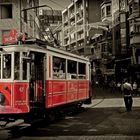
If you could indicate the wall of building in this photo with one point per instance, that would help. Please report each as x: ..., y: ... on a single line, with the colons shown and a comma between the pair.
x: 94, y: 11
x: 17, y: 21
x: 7, y: 24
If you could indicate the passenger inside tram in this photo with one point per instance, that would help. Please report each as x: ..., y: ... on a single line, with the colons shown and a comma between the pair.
x: 6, y: 73
x: 59, y: 68
x: 7, y: 66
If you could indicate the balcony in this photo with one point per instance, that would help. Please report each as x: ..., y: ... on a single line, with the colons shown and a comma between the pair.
x: 135, y: 40
x: 106, y: 11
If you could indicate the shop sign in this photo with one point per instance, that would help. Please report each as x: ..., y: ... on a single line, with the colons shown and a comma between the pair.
x: 11, y: 38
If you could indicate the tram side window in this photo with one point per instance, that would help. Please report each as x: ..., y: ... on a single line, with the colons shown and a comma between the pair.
x: 24, y: 69
x: 24, y: 65
x: 7, y: 66
x: 81, y: 70
x: 72, y: 69
x: 59, y: 68
x: 17, y: 66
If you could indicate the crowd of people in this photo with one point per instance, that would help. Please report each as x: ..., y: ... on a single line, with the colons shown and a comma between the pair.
x: 116, y: 86
x: 126, y: 88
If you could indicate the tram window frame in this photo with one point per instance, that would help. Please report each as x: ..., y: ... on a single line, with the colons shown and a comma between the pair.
x: 17, y: 66
x: 59, y: 67
x: 81, y: 70
x: 71, y: 69
x: 24, y: 67
x: 6, y: 70
x: 21, y: 70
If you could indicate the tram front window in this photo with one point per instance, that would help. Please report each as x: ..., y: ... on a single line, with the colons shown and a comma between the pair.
x: 6, y: 66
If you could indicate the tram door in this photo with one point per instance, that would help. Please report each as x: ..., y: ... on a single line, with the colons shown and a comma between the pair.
x: 37, y: 79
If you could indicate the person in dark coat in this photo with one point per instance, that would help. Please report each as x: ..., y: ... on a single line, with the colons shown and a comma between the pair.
x: 127, y: 94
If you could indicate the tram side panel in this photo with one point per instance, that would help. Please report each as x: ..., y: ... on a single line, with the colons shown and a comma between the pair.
x: 6, y: 92
x: 83, y: 89
x: 20, y: 96
x: 72, y: 91
x: 15, y: 98
x: 63, y: 91
x: 56, y: 93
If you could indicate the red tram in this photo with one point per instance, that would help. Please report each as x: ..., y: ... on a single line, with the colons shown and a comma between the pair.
x: 39, y: 81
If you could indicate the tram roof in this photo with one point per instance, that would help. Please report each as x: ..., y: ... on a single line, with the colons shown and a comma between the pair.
x: 41, y: 49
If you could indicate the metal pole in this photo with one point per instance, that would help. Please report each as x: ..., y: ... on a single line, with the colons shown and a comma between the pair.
x: 134, y: 56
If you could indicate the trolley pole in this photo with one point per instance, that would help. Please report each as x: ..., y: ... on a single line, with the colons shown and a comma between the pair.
x: 36, y: 7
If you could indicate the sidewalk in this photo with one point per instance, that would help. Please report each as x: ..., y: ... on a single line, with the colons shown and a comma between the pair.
x: 112, y: 102
x: 103, y: 98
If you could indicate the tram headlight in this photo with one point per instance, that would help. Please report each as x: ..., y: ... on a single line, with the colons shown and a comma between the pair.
x: 2, y: 98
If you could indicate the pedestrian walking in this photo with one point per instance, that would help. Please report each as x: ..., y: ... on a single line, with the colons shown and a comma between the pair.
x: 134, y: 88
x: 127, y: 94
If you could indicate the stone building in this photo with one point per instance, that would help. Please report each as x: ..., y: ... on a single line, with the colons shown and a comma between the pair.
x: 80, y: 21
x: 12, y: 16
x: 126, y: 38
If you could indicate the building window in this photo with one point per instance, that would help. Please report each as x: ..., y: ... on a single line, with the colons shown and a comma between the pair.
x: 137, y: 28
x: 25, y: 16
x: 30, y: 3
x: 5, y: 11
x: 5, y: 32
x: 130, y: 9
x: 103, y: 12
x: 31, y: 21
x: 108, y: 10
x: 135, y: 6
x: 131, y: 29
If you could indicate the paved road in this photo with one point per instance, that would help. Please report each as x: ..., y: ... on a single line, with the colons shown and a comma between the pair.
x: 104, y: 119
x: 92, y: 123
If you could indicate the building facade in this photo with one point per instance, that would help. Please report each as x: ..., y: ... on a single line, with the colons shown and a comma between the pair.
x: 77, y: 21
x: 126, y: 38
x: 88, y: 32
x: 12, y: 16
x: 134, y: 27
x: 134, y: 36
